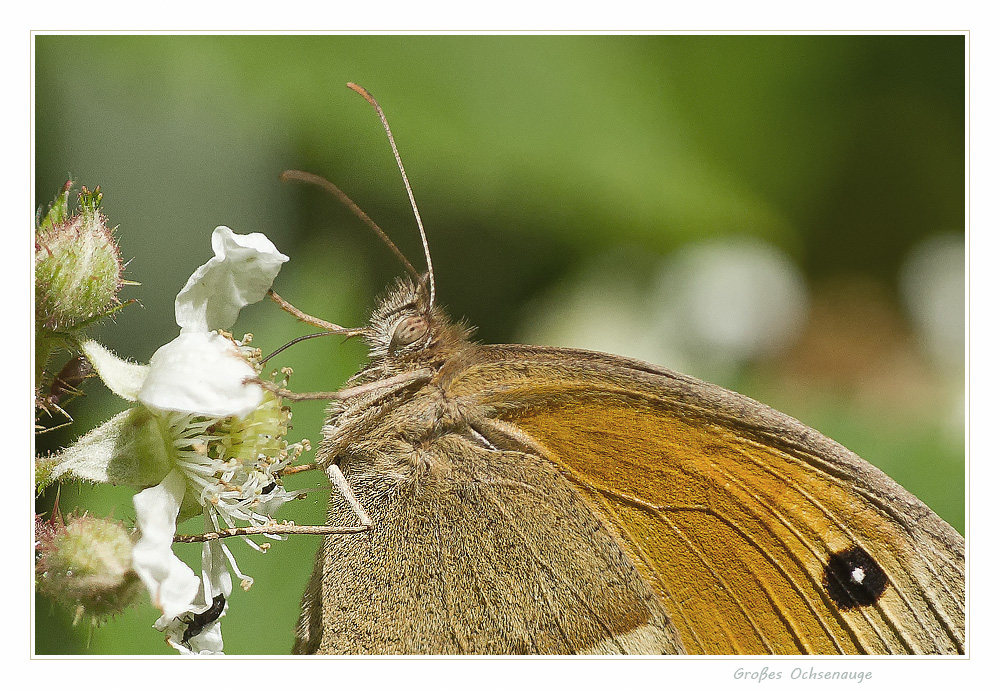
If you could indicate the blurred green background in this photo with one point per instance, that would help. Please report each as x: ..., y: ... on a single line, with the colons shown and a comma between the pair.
x: 782, y: 215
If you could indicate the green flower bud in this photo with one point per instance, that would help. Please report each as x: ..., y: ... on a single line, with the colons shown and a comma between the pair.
x: 85, y: 564
x: 77, y: 264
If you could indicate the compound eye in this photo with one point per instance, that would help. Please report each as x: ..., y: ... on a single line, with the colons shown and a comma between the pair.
x: 408, y: 331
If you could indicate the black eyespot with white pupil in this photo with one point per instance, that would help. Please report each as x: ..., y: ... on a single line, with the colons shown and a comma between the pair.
x: 408, y: 331
x: 854, y: 579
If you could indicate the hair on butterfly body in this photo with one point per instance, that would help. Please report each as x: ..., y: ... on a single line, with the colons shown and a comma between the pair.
x: 410, y: 342
x: 406, y: 324
x: 537, y: 500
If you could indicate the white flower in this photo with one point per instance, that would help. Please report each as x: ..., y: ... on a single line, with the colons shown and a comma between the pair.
x: 218, y: 440
x: 202, y: 372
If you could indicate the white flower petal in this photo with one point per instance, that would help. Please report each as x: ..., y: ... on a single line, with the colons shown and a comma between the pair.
x: 171, y: 583
x: 209, y: 640
x: 215, y: 570
x: 216, y: 580
x: 202, y: 374
x: 240, y: 273
x: 203, y: 636
x: 122, y: 377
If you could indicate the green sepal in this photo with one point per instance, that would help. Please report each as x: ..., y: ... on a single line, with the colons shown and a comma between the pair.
x: 131, y: 448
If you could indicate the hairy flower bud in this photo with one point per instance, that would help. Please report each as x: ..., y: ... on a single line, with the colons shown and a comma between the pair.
x: 77, y: 264
x: 85, y: 563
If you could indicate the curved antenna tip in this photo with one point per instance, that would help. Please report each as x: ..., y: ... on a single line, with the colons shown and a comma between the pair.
x: 360, y: 89
x: 406, y: 183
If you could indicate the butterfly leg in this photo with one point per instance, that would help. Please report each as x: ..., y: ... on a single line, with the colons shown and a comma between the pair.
x: 340, y: 483
x: 394, y: 383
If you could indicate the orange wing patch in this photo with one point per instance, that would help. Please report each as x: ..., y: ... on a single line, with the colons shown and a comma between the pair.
x: 737, y: 537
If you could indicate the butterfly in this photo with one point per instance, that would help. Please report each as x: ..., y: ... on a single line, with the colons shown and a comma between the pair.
x: 542, y: 500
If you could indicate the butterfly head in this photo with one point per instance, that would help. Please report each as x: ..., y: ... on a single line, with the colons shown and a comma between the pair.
x: 406, y: 327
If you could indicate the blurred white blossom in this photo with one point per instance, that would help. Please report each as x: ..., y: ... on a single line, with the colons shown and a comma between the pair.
x: 705, y: 309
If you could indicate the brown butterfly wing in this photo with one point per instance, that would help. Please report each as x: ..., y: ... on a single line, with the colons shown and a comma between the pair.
x: 759, y: 534
x: 477, y: 551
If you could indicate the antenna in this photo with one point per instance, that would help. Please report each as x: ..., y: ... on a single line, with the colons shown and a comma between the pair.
x: 356, y: 210
x: 416, y: 214
x: 306, y: 337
